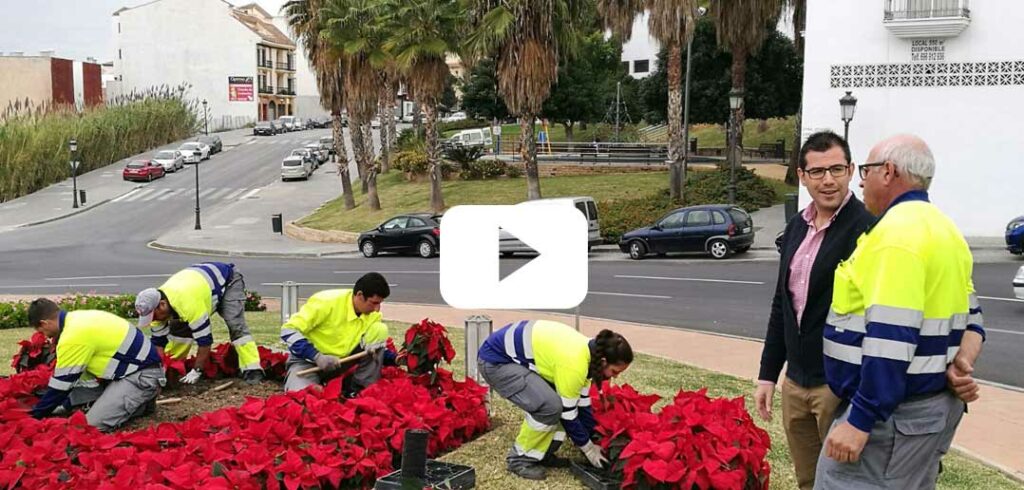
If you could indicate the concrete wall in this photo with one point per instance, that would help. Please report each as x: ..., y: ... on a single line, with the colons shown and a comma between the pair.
x: 972, y: 122
x: 198, y: 42
x: 24, y: 77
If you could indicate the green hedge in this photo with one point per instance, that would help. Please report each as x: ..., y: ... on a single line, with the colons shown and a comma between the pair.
x: 703, y: 187
x: 34, y: 140
x: 15, y: 314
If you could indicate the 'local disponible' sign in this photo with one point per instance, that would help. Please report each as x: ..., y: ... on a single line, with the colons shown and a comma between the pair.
x: 240, y: 89
x: 928, y: 50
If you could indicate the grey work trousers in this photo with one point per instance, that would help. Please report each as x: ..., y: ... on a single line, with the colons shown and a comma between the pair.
x: 528, y: 391
x: 365, y: 375
x: 126, y: 398
x: 902, y: 452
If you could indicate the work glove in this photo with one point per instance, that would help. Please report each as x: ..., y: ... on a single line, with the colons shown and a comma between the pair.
x: 373, y: 349
x: 327, y: 362
x: 593, y: 453
x: 192, y: 377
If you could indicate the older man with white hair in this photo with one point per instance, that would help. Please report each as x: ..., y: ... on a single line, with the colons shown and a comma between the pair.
x: 903, y: 314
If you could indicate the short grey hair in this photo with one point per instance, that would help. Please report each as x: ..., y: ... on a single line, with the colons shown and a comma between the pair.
x: 912, y: 156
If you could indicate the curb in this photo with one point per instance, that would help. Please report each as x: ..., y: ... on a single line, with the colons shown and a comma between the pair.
x: 74, y: 213
x: 230, y: 253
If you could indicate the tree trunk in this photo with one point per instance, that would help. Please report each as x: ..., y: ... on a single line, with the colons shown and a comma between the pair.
x: 416, y: 122
x: 392, y: 124
x: 433, y: 159
x: 794, y: 156
x: 385, y: 151
x: 739, y: 76
x: 369, y: 166
x: 675, y: 122
x: 528, y: 152
x: 570, y: 135
x: 341, y: 157
x: 799, y: 25
x: 355, y: 131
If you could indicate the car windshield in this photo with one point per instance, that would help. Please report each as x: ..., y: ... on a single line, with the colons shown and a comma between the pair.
x: 298, y: 153
x: 206, y: 140
x: 190, y: 146
x: 292, y: 163
x: 263, y: 125
x: 164, y: 155
x: 136, y: 164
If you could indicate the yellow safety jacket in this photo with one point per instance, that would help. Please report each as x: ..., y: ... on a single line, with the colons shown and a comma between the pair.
x: 328, y: 323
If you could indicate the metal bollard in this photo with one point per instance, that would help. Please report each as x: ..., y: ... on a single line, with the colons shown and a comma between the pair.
x: 478, y: 328
x: 289, y: 300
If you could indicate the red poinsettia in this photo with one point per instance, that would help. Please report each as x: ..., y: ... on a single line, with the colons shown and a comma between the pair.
x: 426, y: 345
x: 33, y: 352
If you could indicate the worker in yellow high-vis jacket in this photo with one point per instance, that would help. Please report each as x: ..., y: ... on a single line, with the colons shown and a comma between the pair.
x: 104, y: 346
x: 182, y: 306
x: 334, y: 324
x: 546, y: 368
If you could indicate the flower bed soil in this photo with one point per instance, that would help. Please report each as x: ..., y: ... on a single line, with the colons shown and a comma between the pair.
x: 200, y: 398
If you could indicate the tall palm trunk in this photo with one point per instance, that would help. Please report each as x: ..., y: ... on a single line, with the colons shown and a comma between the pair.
x: 385, y: 152
x: 392, y: 124
x: 433, y: 158
x: 416, y: 120
x: 341, y: 156
x: 528, y: 152
x: 355, y: 130
x: 675, y: 121
x: 739, y: 76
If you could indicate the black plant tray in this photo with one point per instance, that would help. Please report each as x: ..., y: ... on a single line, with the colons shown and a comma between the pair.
x: 439, y: 475
x: 594, y: 478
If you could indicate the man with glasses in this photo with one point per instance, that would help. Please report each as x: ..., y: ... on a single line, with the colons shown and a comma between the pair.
x: 902, y: 334
x: 814, y: 243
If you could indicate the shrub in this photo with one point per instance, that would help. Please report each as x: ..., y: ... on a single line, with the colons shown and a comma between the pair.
x: 463, y: 156
x: 254, y: 301
x: 485, y: 169
x: 415, y: 163
x: 408, y: 140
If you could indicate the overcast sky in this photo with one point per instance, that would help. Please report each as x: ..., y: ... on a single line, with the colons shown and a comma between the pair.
x: 75, y: 29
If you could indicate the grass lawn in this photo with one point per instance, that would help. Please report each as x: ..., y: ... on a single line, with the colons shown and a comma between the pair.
x: 648, y: 374
x: 755, y: 132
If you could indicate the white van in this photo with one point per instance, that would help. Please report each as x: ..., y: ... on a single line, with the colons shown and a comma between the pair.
x: 472, y: 137
x: 509, y: 244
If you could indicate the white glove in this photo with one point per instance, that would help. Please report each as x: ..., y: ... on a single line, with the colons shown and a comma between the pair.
x: 327, y: 362
x: 192, y: 377
x: 373, y: 349
x: 593, y: 453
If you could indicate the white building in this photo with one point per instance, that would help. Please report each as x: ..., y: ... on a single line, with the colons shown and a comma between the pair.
x: 935, y: 68
x: 307, y: 98
x: 640, y: 53
x: 234, y: 58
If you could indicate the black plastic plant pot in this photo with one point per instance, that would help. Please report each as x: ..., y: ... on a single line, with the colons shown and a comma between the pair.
x: 439, y: 475
x: 594, y: 478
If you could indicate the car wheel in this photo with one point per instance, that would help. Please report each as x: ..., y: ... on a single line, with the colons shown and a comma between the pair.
x: 637, y: 250
x: 719, y: 249
x: 368, y: 248
x: 425, y: 249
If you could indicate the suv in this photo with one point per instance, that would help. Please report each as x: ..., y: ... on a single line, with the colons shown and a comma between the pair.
x: 719, y: 230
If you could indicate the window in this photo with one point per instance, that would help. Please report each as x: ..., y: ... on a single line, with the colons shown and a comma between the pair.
x: 416, y: 223
x: 641, y: 66
x: 119, y: 53
x: 718, y: 217
x: 674, y: 220
x: 592, y: 209
x: 700, y: 217
x: 583, y: 208
x: 739, y: 216
x: 396, y: 224
x: 118, y: 27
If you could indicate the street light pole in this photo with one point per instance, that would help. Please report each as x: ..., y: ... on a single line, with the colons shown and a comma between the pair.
x: 73, y: 146
x: 206, y: 120
x: 847, y: 107
x: 198, y: 226
x: 701, y: 11
x: 735, y: 106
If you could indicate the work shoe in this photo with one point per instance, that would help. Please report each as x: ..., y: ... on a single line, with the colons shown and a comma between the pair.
x: 253, y: 377
x: 528, y: 471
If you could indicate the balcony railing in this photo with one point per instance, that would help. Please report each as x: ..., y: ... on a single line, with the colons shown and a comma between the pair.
x: 927, y: 14
x: 286, y: 66
x: 927, y: 19
x: 265, y: 63
x: 266, y: 90
x: 285, y: 91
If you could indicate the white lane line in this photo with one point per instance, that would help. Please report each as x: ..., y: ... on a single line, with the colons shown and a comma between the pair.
x: 220, y: 193
x: 46, y: 286
x: 690, y: 279
x: 173, y: 193
x: 140, y: 195
x: 389, y: 272
x: 206, y: 192
x: 234, y: 194
x: 993, y: 298
x: 629, y: 295
x: 81, y: 278
x: 250, y: 142
x: 129, y: 194
x: 250, y: 194
x: 1003, y: 331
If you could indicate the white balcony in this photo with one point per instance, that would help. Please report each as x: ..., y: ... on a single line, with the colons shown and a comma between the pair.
x: 929, y: 19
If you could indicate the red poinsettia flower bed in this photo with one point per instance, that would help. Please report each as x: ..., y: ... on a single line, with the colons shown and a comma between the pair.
x: 694, y: 442
x: 313, y: 438
x: 35, y: 351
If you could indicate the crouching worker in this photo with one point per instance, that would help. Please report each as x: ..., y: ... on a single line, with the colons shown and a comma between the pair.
x: 334, y: 324
x: 546, y: 368
x: 105, y: 346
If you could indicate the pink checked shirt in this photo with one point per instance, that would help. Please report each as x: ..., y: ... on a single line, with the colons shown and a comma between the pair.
x: 800, y: 267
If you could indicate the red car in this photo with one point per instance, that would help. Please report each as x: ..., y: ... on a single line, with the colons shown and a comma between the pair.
x: 143, y: 170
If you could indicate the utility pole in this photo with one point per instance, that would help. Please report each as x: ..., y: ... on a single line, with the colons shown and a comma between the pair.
x: 618, y: 97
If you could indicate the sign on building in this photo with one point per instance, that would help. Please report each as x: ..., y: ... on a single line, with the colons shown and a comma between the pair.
x: 240, y: 89
x: 926, y: 50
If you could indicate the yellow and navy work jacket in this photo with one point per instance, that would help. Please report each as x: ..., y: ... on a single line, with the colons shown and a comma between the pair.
x: 194, y: 294
x: 95, y: 342
x: 561, y: 356
x: 900, y: 307
x: 328, y: 323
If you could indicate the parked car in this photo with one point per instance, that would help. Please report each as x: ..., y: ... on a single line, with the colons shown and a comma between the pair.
x: 508, y: 244
x: 719, y: 230
x: 306, y: 153
x: 455, y: 116
x: 266, y: 128
x: 471, y: 137
x: 287, y: 122
x: 171, y: 160
x: 1015, y: 235
x: 327, y: 143
x: 300, y: 124
x: 319, y: 152
x: 143, y: 170
x: 296, y: 166
x: 214, y: 142
x: 419, y: 233
x: 194, y: 152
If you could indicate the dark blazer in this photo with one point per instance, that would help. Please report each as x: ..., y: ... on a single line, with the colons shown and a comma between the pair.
x: 784, y: 341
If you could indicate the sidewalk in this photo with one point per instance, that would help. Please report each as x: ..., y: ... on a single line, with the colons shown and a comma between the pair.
x: 991, y: 432
x: 101, y: 186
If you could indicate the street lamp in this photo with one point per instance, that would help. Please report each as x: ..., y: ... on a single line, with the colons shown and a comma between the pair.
x: 735, y: 106
x: 206, y: 119
x: 73, y: 146
x: 847, y: 106
x: 207, y: 131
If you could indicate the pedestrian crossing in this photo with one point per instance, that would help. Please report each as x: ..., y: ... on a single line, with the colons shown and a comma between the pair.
x: 271, y: 140
x: 147, y: 194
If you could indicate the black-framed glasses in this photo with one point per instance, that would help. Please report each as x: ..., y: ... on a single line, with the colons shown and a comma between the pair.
x: 863, y: 169
x: 819, y: 172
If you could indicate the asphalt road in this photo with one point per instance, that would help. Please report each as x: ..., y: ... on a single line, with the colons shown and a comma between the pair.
x: 103, y: 250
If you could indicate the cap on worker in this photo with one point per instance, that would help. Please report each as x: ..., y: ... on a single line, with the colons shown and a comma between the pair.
x: 145, y: 304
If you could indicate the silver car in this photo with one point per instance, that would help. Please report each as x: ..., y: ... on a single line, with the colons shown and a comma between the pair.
x: 296, y: 166
x: 194, y: 152
x: 319, y: 152
x: 171, y: 160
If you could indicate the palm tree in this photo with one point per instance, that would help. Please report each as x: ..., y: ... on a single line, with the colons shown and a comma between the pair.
x: 353, y: 29
x: 741, y: 26
x: 305, y: 23
x: 526, y: 38
x: 421, y: 34
x: 799, y: 10
x: 671, y: 22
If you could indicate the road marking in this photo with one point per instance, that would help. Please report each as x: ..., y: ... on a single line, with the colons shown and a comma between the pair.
x: 1003, y: 331
x: 219, y: 193
x: 206, y: 192
x: 389, y: 272
x: 139, y: 195
x: 104, y: 277
x: 993, y: 298
x: 250, y: 142
x: 130, y: 193
x: 234, y: 194
x: 172, y: 193
x: 250, y: 194
x: 629, y: 295
x: 690, y: 279
x: 46, y: 286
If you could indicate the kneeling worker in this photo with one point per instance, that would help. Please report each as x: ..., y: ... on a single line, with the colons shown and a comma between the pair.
x: 182, y: 307
x: 546, y: 369
x: 105, y: 346
x: 337, y: 323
